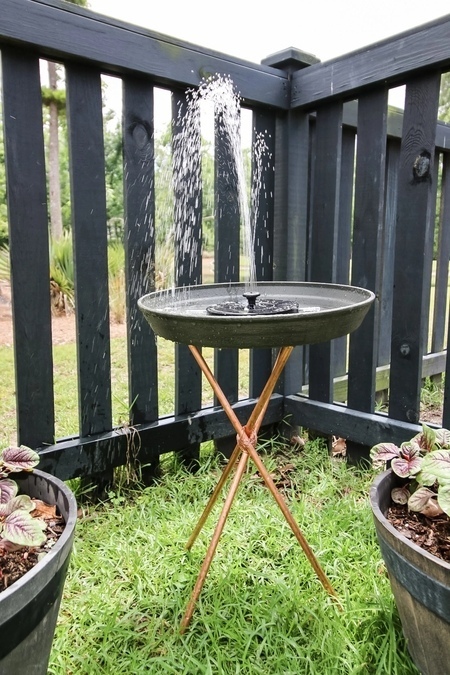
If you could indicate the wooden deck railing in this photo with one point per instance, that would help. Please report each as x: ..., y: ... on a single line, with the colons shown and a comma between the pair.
x: 351, y: 198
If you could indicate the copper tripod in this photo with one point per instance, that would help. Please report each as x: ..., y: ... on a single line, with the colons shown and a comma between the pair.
x: 245, y: 448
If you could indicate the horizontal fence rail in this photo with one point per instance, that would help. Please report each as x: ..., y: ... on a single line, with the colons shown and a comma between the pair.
x: 391, y: 62
x: 59, y: 31
x: 354, y: 192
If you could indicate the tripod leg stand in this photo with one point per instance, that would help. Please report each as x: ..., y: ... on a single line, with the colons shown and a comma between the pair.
x: 245, y: 448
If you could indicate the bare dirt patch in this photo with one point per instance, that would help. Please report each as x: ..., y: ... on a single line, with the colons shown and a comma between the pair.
x: 63, y: 326
x: 432, y: 415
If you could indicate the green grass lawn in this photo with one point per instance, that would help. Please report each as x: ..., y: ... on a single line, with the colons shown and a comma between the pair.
x: 66, y: 392
x: 262, y: 610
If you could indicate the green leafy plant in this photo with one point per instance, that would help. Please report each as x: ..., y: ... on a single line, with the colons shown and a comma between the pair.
x: 17, y: 526
x: 424, y: 464
x: 62, y: 284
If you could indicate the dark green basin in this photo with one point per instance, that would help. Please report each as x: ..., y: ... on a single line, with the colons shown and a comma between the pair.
x: 326, y: 311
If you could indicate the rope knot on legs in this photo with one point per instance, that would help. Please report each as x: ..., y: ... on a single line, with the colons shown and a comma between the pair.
x: 246, y: 439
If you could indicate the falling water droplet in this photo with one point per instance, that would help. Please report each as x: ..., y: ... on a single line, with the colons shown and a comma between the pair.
x: 220, y: 91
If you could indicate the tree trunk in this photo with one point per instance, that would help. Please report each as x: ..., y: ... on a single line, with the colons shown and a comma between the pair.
x: 56, y: 225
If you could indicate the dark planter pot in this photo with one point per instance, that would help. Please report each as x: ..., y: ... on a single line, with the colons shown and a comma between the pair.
x: 29, y: 608
x: 420, y: 583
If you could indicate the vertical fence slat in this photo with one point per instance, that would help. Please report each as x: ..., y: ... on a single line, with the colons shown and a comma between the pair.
x: 443, y: 255
x: 283, y: 196
x: 325, y: 210
x: 428, y: 327
x: 298, y: 167
x: 226, y: 247
x: 226, y: 261
x: 139, y: 243
x: 310, y: 221
x: 340, y: 345
x: 139, y: 203
x: 387, y: 253
x: 28, y: 238
x: 87, y: 169
x: 188, y: 271
x: 264, y: 124
x: 413, y: 223
x: 367, y: 242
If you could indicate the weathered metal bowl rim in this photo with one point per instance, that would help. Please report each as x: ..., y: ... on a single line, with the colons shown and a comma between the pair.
x: 253, y: 330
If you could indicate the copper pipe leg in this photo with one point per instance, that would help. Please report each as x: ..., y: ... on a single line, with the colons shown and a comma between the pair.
x: 251, y: 428
x: 214, y: 541
x: 246, y: 444
x: 212, y: 500
x: 292, y: 522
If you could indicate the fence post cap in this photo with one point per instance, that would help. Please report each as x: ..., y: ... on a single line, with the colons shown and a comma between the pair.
x: 290, y: 59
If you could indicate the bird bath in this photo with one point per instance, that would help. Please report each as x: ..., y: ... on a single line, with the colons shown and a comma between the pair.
x: 318, y: 313
x: 275, y: 314
x: 263, y: 314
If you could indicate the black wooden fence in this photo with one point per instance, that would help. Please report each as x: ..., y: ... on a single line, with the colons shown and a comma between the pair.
x: 352, y: 199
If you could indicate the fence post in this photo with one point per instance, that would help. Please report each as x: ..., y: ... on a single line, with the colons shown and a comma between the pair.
x: 292, y: 167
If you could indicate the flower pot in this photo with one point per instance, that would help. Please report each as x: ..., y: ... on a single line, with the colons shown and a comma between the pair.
x: 29, y: 608
x: 420, y: 583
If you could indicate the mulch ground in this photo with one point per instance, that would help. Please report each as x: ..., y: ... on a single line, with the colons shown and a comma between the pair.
x: 14, y: 564
x: 431, y: 534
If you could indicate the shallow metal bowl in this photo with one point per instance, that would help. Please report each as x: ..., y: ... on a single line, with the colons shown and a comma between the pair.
x: 326, y: 311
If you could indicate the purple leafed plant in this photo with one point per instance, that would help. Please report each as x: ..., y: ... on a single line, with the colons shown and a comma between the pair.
x: 424, y: 464
x: 17, y: 525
